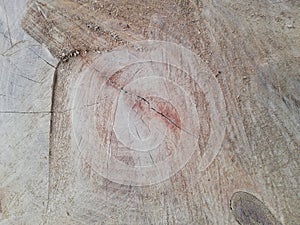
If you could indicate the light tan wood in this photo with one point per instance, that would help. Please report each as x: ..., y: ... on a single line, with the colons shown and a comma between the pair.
x: 200, y: 125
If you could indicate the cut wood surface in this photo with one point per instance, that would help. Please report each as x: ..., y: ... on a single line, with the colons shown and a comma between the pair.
x: 150, y: 112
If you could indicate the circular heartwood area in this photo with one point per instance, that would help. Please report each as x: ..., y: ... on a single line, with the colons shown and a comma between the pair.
x: 142, y: 121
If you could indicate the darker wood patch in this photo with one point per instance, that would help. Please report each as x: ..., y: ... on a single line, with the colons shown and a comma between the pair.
x: 249, y: 210
x: 69, y: 28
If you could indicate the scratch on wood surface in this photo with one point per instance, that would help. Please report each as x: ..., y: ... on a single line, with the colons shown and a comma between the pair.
x: 6, y: 52
x: 7, y: 22
x: 40, y: 57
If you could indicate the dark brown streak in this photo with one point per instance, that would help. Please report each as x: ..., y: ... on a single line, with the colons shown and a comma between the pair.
x: 22, y: 74
x: 54, y: 85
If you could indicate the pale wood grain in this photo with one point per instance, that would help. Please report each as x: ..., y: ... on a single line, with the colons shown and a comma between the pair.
x: 250, y: 49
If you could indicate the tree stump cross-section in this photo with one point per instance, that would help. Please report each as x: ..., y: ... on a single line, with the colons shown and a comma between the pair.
x: 166, y: 112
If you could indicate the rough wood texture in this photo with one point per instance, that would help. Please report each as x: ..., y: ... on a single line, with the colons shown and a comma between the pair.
x: 201, y: 125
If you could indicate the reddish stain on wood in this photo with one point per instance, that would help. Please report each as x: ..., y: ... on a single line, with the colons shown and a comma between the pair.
x: 158, y: 108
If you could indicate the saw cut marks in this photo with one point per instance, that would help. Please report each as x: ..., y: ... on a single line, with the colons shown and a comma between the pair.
x: 68, y: 28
